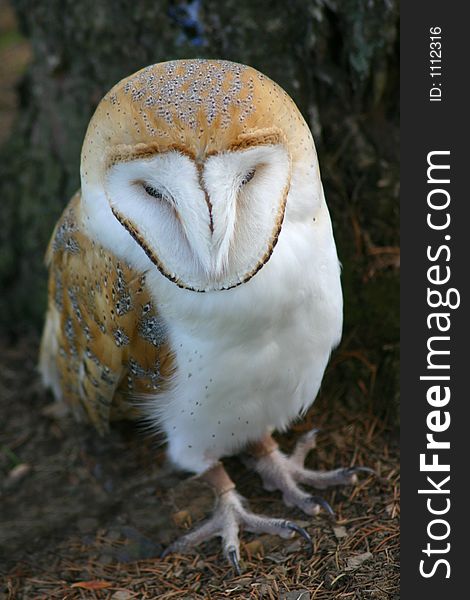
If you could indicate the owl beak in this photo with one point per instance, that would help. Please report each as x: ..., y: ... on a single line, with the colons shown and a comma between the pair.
x: 210, y: 233
x: 221, y: 242
x: 213, y: 250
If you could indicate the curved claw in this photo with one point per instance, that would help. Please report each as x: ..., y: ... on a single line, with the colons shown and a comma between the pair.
x: 233, y: 558
x: 324, y: 504
x: 301, y: 531
x: 368, y: 470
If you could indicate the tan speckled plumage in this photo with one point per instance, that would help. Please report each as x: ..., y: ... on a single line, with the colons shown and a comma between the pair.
x: 199, y: 107
x: 111, y: 343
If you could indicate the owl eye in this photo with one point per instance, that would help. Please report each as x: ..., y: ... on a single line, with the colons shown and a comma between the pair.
x: 248, y: 177
x: 151, y: 191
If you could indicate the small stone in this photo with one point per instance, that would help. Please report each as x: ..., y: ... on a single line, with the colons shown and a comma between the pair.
x: 18, y: 472
x: 295, y: 546
x: 295, y: 595
x: 122, y: 595
x: 340, y: 532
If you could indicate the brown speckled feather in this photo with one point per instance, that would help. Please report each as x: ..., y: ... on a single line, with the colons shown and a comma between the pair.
x: 104, y: 343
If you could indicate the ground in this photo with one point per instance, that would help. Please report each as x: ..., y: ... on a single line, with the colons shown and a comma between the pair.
x: 87, y: 517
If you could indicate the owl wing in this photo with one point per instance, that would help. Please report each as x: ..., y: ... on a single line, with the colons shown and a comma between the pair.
x: 103, y: 343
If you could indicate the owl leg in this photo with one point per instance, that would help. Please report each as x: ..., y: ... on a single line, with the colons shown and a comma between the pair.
x: 281, y: 472
x: 229, y: 517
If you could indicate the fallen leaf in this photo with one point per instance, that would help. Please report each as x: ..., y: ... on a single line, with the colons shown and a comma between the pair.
x: 340, y: 532
x: 354, y: 562
x: 254, y: 548
x: 92, y: 585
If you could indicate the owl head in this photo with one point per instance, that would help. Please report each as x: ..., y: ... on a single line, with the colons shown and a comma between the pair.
x: 195, y: 166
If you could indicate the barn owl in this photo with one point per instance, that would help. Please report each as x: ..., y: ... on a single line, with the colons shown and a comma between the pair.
x: 194, y: 281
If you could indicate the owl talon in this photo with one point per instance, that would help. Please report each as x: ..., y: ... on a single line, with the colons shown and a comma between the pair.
x: 230, y: 516
x: 324, y: 504
x: 302, y: 532
x: 232, y: 555
x: 285, y: 473
x: 354, y: 470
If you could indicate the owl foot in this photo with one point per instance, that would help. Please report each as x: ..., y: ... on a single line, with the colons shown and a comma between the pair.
x: 229, y: 517
x: 285, y: 473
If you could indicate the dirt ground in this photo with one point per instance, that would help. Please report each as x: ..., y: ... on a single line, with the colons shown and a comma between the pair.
x: 84, y: 517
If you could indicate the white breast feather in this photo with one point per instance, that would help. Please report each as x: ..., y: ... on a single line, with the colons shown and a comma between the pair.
x: 252, y: 358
